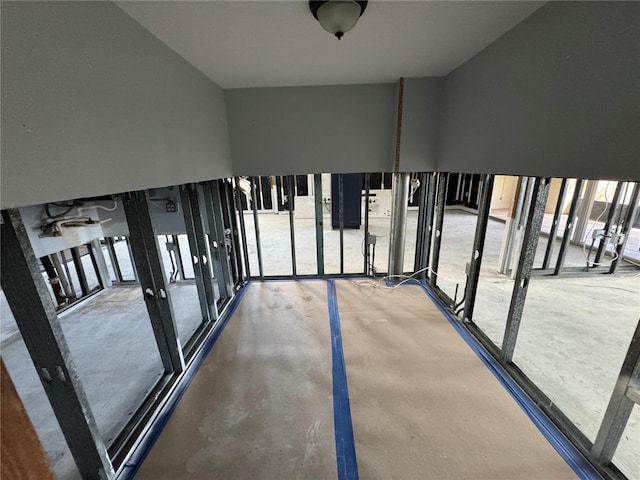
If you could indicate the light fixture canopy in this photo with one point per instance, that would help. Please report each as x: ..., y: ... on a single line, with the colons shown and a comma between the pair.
x: 337, y: 16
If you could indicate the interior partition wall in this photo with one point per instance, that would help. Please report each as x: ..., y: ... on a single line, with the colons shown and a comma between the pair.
x: 567, y: 331
x: 94, y: 376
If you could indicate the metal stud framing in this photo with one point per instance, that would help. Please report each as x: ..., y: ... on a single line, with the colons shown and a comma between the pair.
x: 614, y: 208
x: 620, y: 405
x: 317, y: 192
x: 145, y: 253
x: 199, y: 256
x: 438, y: 222
x: 568, y: 229
x: 478, y: 246
x: 367, y: 188
x: 632, y: 213
x: 217, y: 242
x: 527, y: 256
x: 254, y: 204
x: 292, y: 233
x: 341, y: 219
x: 555, y: 224
x: 35, y: 315
x: 243, y: 231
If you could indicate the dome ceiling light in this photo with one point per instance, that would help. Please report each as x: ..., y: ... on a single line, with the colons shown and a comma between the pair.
x: 337, y: 16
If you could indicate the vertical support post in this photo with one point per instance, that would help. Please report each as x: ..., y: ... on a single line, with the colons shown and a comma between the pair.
x: 418, y: 262
x: 555, y: 224
x: 62, y: 276
x: 217, y: 241
x: 178, y: 256
x: 230, y: 214
x: 614, y: 208
x: 72, y: 291
x: 439, y: 219
x: 632, y: 213
x: 135, y: 273
x: 430, y: 207
x: 292, y: 231
x: 527, y: 256
x: 243, y: 230
x: 82, y: 278
x: 198, y: 246
x: 317, y: 192
x: 478, y: 247
x: 586, y: 206
x: 254, y: 204
x: 341, y: 219
x: 145, y: 254
x: 399, y: 206
x: 568, y: 229
x: 115, y: 264
x: 367, y: 189
x: 35, y: 315
x: 100, y: 263
x: 620, y: 405
x: 508, y: 239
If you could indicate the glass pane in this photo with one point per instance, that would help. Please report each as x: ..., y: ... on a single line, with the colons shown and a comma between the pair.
x: 573, y: 339
x: 627, y: 456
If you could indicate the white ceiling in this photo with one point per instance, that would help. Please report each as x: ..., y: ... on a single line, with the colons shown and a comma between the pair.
x: 278, y: 43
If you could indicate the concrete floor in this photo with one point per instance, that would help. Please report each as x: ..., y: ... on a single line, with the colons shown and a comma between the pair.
x: 422, y: 403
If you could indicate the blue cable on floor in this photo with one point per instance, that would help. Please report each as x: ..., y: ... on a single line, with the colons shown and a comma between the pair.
x: 345, y: 445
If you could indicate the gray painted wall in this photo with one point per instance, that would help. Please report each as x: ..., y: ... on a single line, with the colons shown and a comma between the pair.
x: 558, y: 95
x: 420, y: 116
x: 297, y: 130
x: 93, y: 104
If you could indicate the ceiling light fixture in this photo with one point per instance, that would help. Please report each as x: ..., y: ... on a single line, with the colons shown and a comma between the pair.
x: 337, y: 16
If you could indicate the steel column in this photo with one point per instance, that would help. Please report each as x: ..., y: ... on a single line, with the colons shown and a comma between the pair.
x: 367, y: 189
x: 399, y: 206
x: 199, y: 256
x: 527, y: 256
x: 35, y: 315
x: 439, y: 219
x: 478, y: 247
x: 243, y: 230
x: 145, y: 254
x: 632, y: 213
x: 254, y: 205
x: 292, y: 231
x: 620, y: 405
x: 568, y: 229
x: 613, y: 210
x: 317, y: 192
x: 341, y: 219
x: 100, y: 264
x: 82, y: 278
x: 217, y: 241
x: 421, y: 230
x: 115, y: 264
x: 230, y: 213
x: 555, y: 224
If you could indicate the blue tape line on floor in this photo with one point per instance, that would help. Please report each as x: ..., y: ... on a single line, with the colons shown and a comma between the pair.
x: 345, y: 446
x: 143, y: 449
x: 554, y: 436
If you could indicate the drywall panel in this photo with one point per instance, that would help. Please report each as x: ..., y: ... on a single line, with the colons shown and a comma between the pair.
x: 420, y: 114
x: 92, y: 104
x: 558, y: 95
x: 298, y: 130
